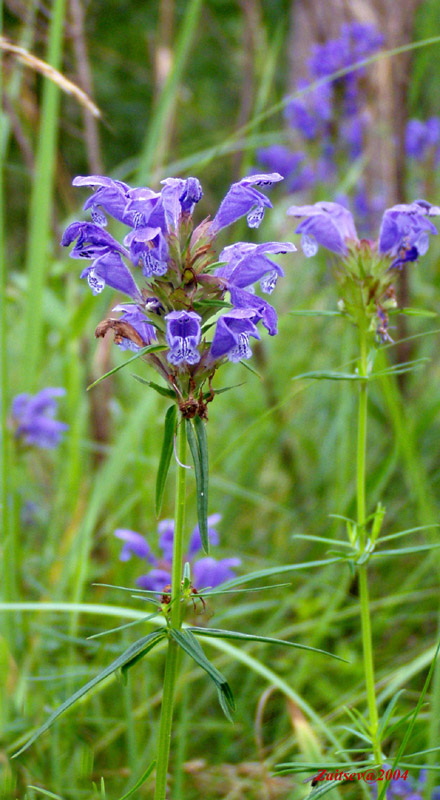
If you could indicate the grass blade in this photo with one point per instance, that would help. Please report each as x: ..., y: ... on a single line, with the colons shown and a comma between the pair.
x: 41, y: 202
x: 160, y: 122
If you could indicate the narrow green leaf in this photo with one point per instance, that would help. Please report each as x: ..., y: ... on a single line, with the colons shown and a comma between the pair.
x: 250, y: 637
x: 188, y: 642
x: 321, y: 375
x: 251, y: 369
x: 264, y: 573
x: 142, y: 646
x: 358, y: 735
x: 311, y: 538
x: 165, y: 456
x: 402, y: 551
x: 358, y: 720
x: 310, y: 313
x: 139, y: 782
x: 220, y: 391
x: 322, y: 789
x: 423, y: 752
x: 399, y: 369
x: 152, y: 348
x: 202, y: 496
x: 157, y: 388
x: 386, y: 716
x: 416, y: 312
x: 46, y: 793
x: 201, y: 473
x: 207, y: 593
x: 408, y: 531
x: 297, y: 767
x: 123, y: 627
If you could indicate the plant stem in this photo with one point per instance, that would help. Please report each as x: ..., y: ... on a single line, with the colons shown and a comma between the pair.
x: 166, y: 716
x: 363, y: 575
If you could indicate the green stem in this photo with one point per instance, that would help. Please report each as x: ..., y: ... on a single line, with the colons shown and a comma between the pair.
x: 363, y: 574
x: 166, y: 716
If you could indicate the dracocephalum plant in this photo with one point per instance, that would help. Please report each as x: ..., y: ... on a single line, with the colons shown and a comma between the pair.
x: 366, y: 272
x: 178, y: 321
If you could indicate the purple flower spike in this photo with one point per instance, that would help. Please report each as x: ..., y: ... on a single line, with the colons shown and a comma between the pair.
x: 210, y: 572
x: 183, y: 336
x: 232, y: 333
x: 134, y: 544
x: 421, y: 136
x: 34, y: 418
x: 327, y: 224
x: 311, y: 112
x: 405, y: 230
x: 242, y: 199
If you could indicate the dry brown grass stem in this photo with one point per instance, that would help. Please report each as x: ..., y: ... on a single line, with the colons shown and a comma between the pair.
x: 45, y: 69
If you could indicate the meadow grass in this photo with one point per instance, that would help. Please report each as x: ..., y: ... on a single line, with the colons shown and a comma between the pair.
x: 283, y: 457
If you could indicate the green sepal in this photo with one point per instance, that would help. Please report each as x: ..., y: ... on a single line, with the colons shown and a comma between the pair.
x: 196, y: 435
x: 165, y: 456
x: 128, y: 657
x: 188, y: 642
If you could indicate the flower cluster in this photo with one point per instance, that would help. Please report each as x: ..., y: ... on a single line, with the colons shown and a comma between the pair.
x: 368, y: 268
x: 205, y: 572
x: 422, y: 139
x: 183, y: 284
x: 33, y: 417
x: 329, y: 120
